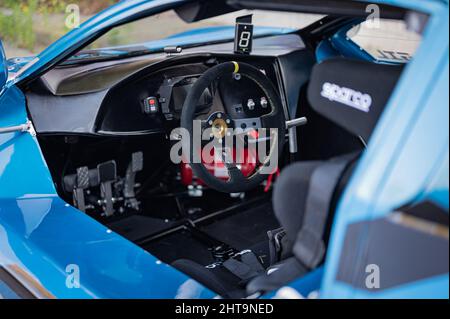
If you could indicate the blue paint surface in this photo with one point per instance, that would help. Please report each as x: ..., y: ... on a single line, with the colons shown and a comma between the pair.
x: 406, y: 160
x: 42, y: 235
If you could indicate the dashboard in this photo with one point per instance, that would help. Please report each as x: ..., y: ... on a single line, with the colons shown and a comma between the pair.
x: 145, y: 95
x: 157, y: 98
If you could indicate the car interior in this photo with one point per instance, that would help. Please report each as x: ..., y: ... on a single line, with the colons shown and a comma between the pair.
x: 106, y: 131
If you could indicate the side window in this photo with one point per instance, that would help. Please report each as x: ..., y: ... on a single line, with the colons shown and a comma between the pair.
x: 386, y: 40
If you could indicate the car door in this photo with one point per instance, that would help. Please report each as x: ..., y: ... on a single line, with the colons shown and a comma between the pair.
x: 390, y: 234
x: 22, y: 170
x: 48, y: 247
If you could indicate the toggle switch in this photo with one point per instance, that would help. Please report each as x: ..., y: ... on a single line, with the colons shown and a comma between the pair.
x: 264, y: 102
x: 251, y: 104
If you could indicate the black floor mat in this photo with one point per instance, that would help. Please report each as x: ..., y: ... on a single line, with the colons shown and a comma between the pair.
x: 245, y: 229
x: 180, y: 245
x: 137, y: 227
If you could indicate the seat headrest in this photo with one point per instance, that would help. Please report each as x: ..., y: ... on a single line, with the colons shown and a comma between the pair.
x: 352, y: 93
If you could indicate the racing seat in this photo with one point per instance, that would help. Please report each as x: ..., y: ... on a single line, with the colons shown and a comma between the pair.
x: 352, y: 94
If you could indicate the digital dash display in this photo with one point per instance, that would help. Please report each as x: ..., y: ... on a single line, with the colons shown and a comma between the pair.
x: 244, y: 35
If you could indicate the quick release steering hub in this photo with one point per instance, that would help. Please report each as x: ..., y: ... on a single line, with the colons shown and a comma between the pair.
x: 219, y: 123
x: 263, y: 140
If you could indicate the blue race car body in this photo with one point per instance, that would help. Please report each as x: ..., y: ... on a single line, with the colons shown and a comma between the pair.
x: 44, y: 240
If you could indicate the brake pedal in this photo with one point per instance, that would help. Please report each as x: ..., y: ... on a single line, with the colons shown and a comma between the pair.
x: 107, y: 173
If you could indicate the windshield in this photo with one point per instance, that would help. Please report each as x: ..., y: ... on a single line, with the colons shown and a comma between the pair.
x: 29, y: 26
x: 168, y: 25
x: 156, y: 32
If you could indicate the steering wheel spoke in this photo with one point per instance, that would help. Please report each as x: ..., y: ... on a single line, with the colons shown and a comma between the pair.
x: 236, y: 175
x: 234, y: 172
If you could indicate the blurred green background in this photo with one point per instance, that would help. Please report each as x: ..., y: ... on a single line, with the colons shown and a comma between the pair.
x: 29, y: 26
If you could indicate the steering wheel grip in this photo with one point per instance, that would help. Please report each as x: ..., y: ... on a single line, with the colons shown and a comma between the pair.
x: 275, y: 119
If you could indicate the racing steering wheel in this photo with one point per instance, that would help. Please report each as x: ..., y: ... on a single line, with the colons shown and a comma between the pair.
x: 237, y: 182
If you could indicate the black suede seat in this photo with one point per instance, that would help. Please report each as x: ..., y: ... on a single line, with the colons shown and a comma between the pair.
x: 352, y: 94
x: 290, y: 198
x: 290, y: 194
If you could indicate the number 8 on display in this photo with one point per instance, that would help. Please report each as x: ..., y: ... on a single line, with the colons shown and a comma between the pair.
x: 244, y: 36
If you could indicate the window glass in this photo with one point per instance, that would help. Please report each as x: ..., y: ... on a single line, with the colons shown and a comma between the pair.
x: 29, y: 26
x: 387, y: 40
x: 168, y: 24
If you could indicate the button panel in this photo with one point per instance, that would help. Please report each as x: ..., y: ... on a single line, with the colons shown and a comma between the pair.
x: 151, y: 105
